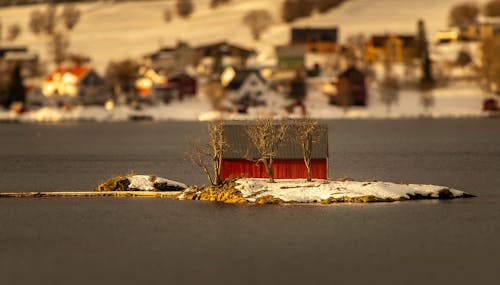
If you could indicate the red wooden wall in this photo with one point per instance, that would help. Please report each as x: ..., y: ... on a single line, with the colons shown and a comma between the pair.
x: 282, y: 169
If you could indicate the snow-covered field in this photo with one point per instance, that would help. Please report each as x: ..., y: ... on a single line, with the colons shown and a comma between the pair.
x: 110, y: 31
x: 301, y: 191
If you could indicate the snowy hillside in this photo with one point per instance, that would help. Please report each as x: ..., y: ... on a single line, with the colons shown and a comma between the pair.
x: 108, y: 31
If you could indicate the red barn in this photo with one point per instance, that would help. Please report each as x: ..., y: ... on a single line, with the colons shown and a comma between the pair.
x: 240, y: 156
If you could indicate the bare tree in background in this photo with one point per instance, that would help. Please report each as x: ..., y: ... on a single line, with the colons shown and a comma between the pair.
x: 267, y: 137
x: 167, y: 15
x: 13, y: 31
x: 70, y: 16
x: 294, y: 9
x: 490, y: 63
x: 49, y: 19
x: 59, y: 46
x: 184, y: 8
x: 492, y: 8
x: 122, y: 75
x: 217, y: 3
x: 48, y: 23
x: 202, y: 155
x: 36, y: 22
x: 324, y: 6
x: 215, y: 93
x: 389, y: 91
x: 258, y: 21
x: 464, y: 14
x: 426, y: 99
x: 309, y: 133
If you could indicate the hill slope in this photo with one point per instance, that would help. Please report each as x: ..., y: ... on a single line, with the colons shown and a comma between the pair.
x: 110, y: 31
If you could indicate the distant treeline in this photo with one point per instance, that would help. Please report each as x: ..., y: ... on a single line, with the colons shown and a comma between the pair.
x: 4, y: 3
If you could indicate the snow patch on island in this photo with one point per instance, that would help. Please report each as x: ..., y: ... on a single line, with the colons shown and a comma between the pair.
x: 301, y: 191
x: 152, y: 183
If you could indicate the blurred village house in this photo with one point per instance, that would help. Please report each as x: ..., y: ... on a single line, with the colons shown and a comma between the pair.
x: 70, y: 85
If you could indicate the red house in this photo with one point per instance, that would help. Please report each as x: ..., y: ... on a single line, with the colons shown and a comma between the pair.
x: 183, y: 85
x: 240, y: 156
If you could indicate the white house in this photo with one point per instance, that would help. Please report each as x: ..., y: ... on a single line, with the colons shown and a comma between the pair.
x: 244, y: 88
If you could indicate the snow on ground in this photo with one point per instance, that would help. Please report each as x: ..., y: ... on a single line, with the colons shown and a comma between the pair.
x: 459, y: 99
x: 301, y: 191
x: 131, y: 29
x: 147, y: 183
x: 112, y: 31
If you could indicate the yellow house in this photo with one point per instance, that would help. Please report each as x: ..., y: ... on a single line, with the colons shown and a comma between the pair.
x: 396, y: 48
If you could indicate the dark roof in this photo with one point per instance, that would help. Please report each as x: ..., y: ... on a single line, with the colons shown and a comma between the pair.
x: 353, y: 74
x: 224, y: 47
x: 302, y: 35
x: 240, y: 147
x: 7, y: 49
x: 180, y: 76
x: 241, y: 76
x: 407, y: 40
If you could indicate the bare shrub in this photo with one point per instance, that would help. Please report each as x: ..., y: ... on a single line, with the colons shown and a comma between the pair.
x: 59, y: 45
x: 258, y: 21
x: 184, y: 8
x: 492, y: 8
x: 217, y: 3
x: 70, y: 16
x: 167, y: 15
x: 13, y: 31
x: 464, y: 14
x: 122, y: 75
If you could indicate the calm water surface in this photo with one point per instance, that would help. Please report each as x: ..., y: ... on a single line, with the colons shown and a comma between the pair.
x: 155, y: 241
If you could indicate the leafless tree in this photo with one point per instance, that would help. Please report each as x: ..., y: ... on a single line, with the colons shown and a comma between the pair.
x: 324, y: 6
x: 203, y: 154
x: 215, y: 93
x: 50, y: 19
x: 59, y: 45
x: 184, y: 8
x: 355, y: 48
x: 258, y: 21
x: 122, y: 75
x: 492, y: 8
x: 426, y: 99
x: 77, y: 58
x: 267, y: 137
x: 48, y: 23
x: 490, y: 63
x: 309, y: 133
x: 36, y: 22
x: 167, y: 15
x: 389, y: 91
x: 13, y: 31
x: 294, y: 9
x: 217, y: 3
x: 70, y: 16
x: 464, y: 14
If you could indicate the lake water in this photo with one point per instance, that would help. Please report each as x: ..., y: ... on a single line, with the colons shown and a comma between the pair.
x: 155, y: 241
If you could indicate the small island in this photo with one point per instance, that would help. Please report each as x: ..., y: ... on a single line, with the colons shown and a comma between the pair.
x: 262, y: 162
x: 274, y: 162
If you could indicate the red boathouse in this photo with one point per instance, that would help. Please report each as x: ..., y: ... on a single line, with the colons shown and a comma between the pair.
x: 240, y: 156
